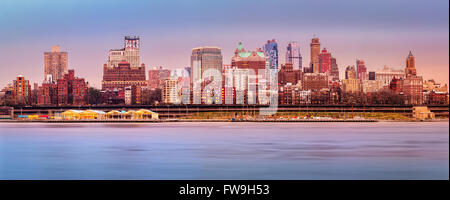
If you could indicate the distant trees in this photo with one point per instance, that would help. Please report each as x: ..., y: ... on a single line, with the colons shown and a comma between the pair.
x: 94, y: 96
x: 151, y: 97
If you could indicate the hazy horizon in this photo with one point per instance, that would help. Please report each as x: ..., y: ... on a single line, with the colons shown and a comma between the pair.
x: 378, y: 32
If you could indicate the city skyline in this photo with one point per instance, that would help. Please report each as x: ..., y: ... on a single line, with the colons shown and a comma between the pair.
x: 169, y: 43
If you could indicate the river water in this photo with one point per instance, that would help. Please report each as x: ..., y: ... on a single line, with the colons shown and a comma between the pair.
x: 382, y: 150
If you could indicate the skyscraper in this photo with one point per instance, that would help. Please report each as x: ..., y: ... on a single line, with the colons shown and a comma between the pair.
x: 410, y: 69
x: 413, y: 84
x: 324, y: 61
x: 202, y: 59
x: 55, y: 63
x: 315, y: 51
x: 361, y: 70
x: 334, y: 71
x: 271, y: 51
x: 129, y: 53
x: 293, y: 55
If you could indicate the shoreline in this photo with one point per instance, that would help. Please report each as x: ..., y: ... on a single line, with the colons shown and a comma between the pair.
x: 219, y: 120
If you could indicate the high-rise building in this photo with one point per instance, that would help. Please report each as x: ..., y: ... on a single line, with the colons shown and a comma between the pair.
x: 410, y: 69
x: 413, y: 84
x: 293, y: 55
x: 324, y: 61
x: 170, y: 91
x: 55, y: 63
x: 334, y: 71
x: 315, y: 51
x: 71, y: 90
x: 202, y: 59
x: 254, y: 62
x: 361, y: 70
x: 122, y: 76
x: 271, y: 51
x: 21, y: 90
x: 130, y: 53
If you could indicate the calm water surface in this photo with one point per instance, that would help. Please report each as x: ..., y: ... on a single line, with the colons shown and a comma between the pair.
x: 225, y: 151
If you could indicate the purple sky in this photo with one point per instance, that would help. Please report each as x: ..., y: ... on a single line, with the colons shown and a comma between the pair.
x: 379, y: 32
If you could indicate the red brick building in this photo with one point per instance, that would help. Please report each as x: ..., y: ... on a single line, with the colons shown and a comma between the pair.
x: 122, y: 76
x: 288, y: 74
x: 324, y: 61
x: 47, y: 94
x: 315, y: 81
x: 21, y: 90
x: 71, y: 90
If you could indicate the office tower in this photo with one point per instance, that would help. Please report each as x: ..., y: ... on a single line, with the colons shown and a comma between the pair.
x: 315, y: 51
x: 361, y: 70
x: 122, y: 76
x: 413, y: 84
x: 334, y: 71
x: 130, y: 53
x: 55, y: 63
x: 324, y: 61
x: 202, y: 59
x: 21, y: 90
x: 71, y: 90
x: 293, y: 55
x: 410, y: 69
x: 271, y: 51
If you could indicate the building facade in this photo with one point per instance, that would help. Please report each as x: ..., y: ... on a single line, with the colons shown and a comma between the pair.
x: 21, y: 90
x: 130, y: 53
x: 315, y: 81
x: 387, y: 74
x: 361, y: 70
x: 123, y: 76
x: 334, y: 71
x: 71, y: 90
x: 170, y: 91
x: 55, y: 63
x: 325, y: 61
x: 271, y: 51
x: 293, y: 55
x: 413, y: 84
x: 315, y: 51
x: 288, y: 74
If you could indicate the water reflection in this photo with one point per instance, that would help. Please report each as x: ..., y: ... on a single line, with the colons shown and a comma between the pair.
x: 225, y: 151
